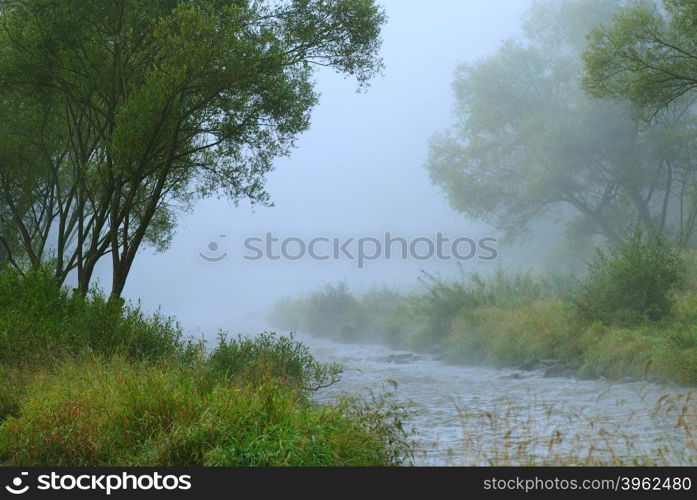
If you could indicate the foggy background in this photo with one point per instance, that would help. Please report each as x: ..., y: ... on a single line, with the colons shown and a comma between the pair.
x: 358, y: 172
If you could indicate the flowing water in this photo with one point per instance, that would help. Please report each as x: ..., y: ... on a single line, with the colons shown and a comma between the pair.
x: 477, y: 416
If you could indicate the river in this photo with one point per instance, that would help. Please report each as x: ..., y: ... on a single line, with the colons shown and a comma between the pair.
x: 480, y: 416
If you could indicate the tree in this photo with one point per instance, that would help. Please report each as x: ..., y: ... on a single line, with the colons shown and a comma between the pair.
x: 647, y: 55
x: 7, y: 244
x: 27, y: 198
x: 162, y: 102
x: 530, y: 144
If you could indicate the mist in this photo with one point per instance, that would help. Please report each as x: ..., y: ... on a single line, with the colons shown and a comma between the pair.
x: 358, y: 172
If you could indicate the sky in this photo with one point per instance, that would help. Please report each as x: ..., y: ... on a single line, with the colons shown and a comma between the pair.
x: 357, y: 172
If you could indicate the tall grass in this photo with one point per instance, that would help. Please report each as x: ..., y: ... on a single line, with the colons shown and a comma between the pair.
x: 420, y: 320
x: 86, y: 382
x: 116, y: 413
x: 532, y: 435
x: 254, y: 360
x: 43, y: 324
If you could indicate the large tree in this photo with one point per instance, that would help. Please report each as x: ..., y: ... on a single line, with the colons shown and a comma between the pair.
x: 530, y: 144
x: 151, y: 104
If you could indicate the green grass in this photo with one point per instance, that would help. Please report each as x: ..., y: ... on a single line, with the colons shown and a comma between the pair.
x: 95, y: 412
x: 84, y: 382
x: 265, y: 356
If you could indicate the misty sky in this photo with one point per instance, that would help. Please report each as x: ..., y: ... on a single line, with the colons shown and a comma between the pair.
x: 358, y: 172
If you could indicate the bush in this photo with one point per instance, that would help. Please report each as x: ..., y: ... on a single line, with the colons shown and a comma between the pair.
x: 252, y: 360
x: 332, y: 311
x: 633, y: 282
x: 117, y: 413
x: 42, y: 322
x: 289, y: 314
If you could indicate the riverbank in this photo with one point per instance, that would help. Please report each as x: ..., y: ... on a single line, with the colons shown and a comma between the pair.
x: 547, y: 330
x: 508, y: 320
x: 84, y: 382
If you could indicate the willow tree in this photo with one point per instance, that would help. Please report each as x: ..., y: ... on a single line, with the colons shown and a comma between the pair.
x: 530, y: 144
x: 163, y: 102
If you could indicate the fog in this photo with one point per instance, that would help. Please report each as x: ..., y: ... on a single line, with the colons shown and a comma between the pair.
x: 492, y: 240
x: 358, y: 172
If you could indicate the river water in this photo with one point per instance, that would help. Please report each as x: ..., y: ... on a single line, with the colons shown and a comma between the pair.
x: 479, y: 416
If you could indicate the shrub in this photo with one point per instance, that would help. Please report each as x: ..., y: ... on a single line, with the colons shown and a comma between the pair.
x: 377, y: 308
x: 633, y: 281
x: 117, y: 413
x: 85, y: 382
x: 332, y: 311
x: 289, y: 314
x: 420, y: 321
x: 252, y: 360
x: 445, y: 302
x: 42, y: 322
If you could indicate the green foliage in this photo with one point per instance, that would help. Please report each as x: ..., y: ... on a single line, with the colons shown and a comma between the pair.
x: 508, y: 336
x: 645, y: 54
x: 40, y: 321
x: 332, y: 311
x: 507, y: 319
x: 634, y: 281
x: 117, y: 413
x: 438, y: 307
x: 266, y: 356
x: 420, y: 320
x: 86, y: 382
x: 645, y: 57
x: 13, y: 385
x: 208, y: 95
x: 42, y: 324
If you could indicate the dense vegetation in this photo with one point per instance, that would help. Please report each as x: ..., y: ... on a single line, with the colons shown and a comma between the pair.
x: 86, y: 382
x: 209, y: 94
x: 118, y: 116
x: 632, y: 314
